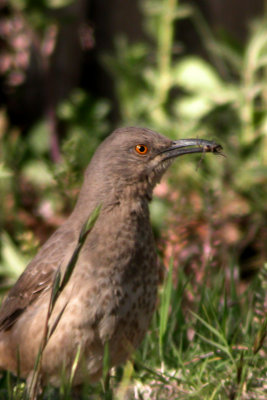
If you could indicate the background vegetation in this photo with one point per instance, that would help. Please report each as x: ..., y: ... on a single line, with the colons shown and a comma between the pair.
x: 64, y: 89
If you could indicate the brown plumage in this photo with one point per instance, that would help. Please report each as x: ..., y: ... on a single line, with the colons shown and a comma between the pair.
x: 111, y: 294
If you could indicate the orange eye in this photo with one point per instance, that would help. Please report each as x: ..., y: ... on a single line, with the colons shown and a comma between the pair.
x: 141, y: 149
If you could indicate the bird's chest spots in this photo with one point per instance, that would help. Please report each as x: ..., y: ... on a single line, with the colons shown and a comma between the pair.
x: 127, y: 306
x: 135, y: 299
x: 124, y: 245
x: 127, y: 274
x: 135, y: 314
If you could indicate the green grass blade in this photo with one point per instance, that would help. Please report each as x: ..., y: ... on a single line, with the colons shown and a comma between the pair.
x: 165, y: 300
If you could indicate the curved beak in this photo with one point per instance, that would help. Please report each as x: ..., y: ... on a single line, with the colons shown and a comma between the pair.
x: 188, y: 146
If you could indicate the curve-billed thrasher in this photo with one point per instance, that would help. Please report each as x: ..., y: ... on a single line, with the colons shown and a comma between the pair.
x: 111, y: 294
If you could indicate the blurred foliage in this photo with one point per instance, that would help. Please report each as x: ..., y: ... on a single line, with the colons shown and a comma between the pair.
x: 26, y: 26
x: 86, y: 125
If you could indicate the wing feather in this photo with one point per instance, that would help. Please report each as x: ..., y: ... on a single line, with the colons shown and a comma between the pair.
x: 37, y: 277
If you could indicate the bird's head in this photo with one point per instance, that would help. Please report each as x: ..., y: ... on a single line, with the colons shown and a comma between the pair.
x: 136, y: 158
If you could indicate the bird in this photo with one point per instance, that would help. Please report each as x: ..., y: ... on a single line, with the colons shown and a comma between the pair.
x: 111, y: 294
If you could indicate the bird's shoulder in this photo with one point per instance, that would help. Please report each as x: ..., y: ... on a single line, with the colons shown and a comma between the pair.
x: 37, y: 277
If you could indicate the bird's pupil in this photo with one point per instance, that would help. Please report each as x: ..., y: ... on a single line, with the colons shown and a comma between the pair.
x: 142, y: 149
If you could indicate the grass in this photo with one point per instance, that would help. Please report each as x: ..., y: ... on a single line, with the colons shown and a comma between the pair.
x: 210, y: 348
x: 208, y: 353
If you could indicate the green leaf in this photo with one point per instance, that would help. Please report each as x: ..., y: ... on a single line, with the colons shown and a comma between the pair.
x: 38, y: 138
x: 13, y: 261
x: 106, y: 361
x: 58, y: 3
x: 164, y: 307
x: 89, y: 224
x: 55, y: 289
x: 260, y: 336
x: 5, y: 172
x: 38, y: 172
x: 194, y: 74
x: 193, y: 107
x: 87, y: 227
